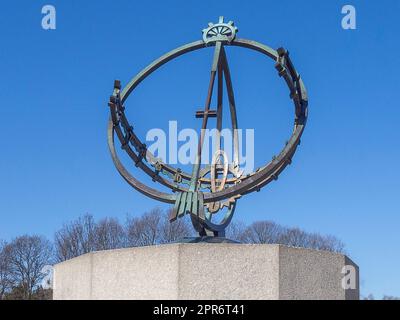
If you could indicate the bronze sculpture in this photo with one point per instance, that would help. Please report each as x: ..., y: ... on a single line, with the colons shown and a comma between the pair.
x: 196, y: 194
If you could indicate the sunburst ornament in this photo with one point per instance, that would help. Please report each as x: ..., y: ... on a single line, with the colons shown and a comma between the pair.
x: 220, y: 32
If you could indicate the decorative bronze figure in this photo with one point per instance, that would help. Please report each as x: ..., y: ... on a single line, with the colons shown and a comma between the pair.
x: 216, y: 187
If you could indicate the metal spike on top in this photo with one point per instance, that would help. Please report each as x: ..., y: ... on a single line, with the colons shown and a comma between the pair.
x: 220, y: 31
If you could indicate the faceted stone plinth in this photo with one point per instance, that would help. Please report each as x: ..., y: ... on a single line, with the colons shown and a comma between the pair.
x: 192, y: 271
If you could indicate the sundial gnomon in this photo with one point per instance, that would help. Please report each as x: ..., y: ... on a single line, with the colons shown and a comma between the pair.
x: 208, y: 191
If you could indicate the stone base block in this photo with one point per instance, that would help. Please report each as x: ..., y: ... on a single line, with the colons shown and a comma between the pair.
x: 208, y: 271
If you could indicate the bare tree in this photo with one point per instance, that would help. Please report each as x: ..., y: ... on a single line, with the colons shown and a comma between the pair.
x: 327, y: 243
x: 264, y: 232
x: 170, y: 232
x: 238, y: 231
x: 144, y: 230
x: 154, y: 227
x: 272, y: 233
x: 109, y: 234
x: 75, y: 238
x: 6, y: 282
x: 28, y: 256
x: 385, y: 297
x: 293, y: 237
x: 85, y: 235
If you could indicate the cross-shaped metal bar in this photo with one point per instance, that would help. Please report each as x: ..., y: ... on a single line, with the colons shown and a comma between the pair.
x: 210, y: 114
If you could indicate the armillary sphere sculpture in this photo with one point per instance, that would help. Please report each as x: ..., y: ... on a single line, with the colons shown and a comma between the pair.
x: 210, y: 189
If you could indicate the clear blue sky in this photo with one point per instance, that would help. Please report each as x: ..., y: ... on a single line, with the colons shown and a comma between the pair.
x: 345, y: 180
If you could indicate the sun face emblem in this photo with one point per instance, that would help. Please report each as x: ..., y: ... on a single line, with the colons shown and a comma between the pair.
x: 220, y: 31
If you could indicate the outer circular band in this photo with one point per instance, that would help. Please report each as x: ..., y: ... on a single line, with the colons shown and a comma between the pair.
x: 250, y: 183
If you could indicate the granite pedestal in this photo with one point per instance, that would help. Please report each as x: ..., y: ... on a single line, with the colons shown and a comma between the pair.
x: 193, y: 271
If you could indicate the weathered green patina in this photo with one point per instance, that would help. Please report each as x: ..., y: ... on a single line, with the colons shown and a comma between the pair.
x: 196, y: 194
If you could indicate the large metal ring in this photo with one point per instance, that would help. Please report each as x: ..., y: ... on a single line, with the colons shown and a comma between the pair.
x: 119, y: 124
